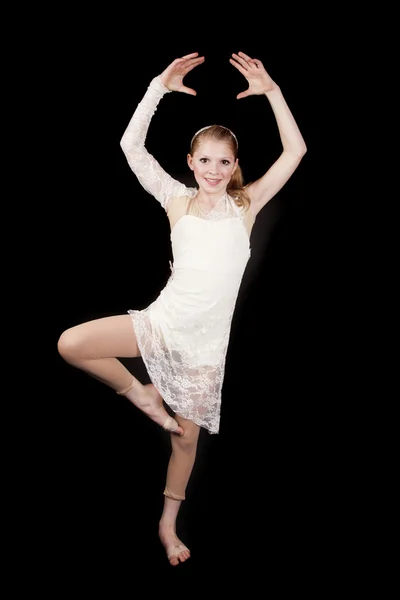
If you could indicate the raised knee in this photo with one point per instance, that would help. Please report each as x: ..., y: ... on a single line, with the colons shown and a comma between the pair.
x: 67, y: 344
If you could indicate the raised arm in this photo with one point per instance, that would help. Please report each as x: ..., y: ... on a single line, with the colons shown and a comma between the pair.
x: 146, y: 168
x: 294, y: 147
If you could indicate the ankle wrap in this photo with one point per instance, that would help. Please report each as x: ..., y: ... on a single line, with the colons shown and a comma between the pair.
x: 126, y: 390
x: 169, y: 494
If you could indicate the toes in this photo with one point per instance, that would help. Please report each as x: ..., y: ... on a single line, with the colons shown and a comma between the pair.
x: 184, y: 556
x: 180, y: 556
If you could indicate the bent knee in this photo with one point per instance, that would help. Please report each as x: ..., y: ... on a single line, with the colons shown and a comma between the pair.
x: 68, y: 344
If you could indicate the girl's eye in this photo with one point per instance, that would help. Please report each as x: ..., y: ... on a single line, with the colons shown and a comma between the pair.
x: 224, y: 162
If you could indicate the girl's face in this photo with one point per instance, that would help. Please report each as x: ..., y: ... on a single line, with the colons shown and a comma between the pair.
x: 213, y: 165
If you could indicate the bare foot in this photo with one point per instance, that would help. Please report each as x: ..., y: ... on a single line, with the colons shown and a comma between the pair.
x: 150, y: 402
x: 176, y: 551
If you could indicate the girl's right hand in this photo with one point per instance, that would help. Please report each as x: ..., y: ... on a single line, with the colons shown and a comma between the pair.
x: 173, y: 75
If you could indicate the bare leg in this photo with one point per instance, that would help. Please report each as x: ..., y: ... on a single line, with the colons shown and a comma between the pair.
x: 94, y: 347
x: 180, y: 467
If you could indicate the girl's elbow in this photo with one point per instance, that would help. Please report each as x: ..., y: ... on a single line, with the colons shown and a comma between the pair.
x: 124, y: 145
x: 302, y: 150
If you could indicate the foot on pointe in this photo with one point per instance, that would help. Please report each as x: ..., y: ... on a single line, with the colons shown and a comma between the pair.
x: 151, y: 403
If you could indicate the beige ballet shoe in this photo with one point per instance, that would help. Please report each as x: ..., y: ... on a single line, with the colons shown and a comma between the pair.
x: 170, y: 425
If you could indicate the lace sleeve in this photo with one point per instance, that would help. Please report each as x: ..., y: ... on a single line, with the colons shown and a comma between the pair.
x: 146, y: 168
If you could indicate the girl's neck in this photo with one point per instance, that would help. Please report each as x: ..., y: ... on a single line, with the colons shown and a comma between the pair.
x: 210, y: 199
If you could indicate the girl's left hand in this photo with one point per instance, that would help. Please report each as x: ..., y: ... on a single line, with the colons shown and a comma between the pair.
x: 253, y: 70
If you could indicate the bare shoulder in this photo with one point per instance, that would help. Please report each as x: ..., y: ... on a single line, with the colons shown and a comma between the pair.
x: 178, y: 202
x: 177, y: 207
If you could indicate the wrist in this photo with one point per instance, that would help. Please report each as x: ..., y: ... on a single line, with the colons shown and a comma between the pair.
x: 274, y: 91
x: 158, y: 85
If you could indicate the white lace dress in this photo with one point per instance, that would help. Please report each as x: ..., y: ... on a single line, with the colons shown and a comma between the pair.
x: 183, y: 335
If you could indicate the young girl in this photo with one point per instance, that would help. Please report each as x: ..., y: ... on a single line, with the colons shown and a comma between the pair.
x: 183, y: 335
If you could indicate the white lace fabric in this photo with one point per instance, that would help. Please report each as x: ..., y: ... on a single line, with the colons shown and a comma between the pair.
x: 183, y: 335
x: 150, y: 174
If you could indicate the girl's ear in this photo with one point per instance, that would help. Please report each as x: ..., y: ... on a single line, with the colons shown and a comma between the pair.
x: 190, y: 161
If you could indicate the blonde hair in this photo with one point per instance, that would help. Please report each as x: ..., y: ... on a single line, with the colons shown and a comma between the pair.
x: 218, y: 133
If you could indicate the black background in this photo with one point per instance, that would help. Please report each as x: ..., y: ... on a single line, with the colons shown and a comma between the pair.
x: 254, y: 508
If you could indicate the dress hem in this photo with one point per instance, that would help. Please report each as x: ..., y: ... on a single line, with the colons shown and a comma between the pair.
x: 160, y: 391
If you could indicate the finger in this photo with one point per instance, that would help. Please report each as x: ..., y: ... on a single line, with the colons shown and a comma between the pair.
x: 192, y: 62
x: 250, y: 62
x: 239, y: 67
x: 243, y: 55
x: 243, y: 95
x: 240, y: 60
x: 190, y: 67
x: 196, y: 61
x: 193, y: 54
x: 187, y: 90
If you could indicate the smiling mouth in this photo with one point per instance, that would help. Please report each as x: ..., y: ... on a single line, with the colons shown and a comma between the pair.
x: 212, y: 181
